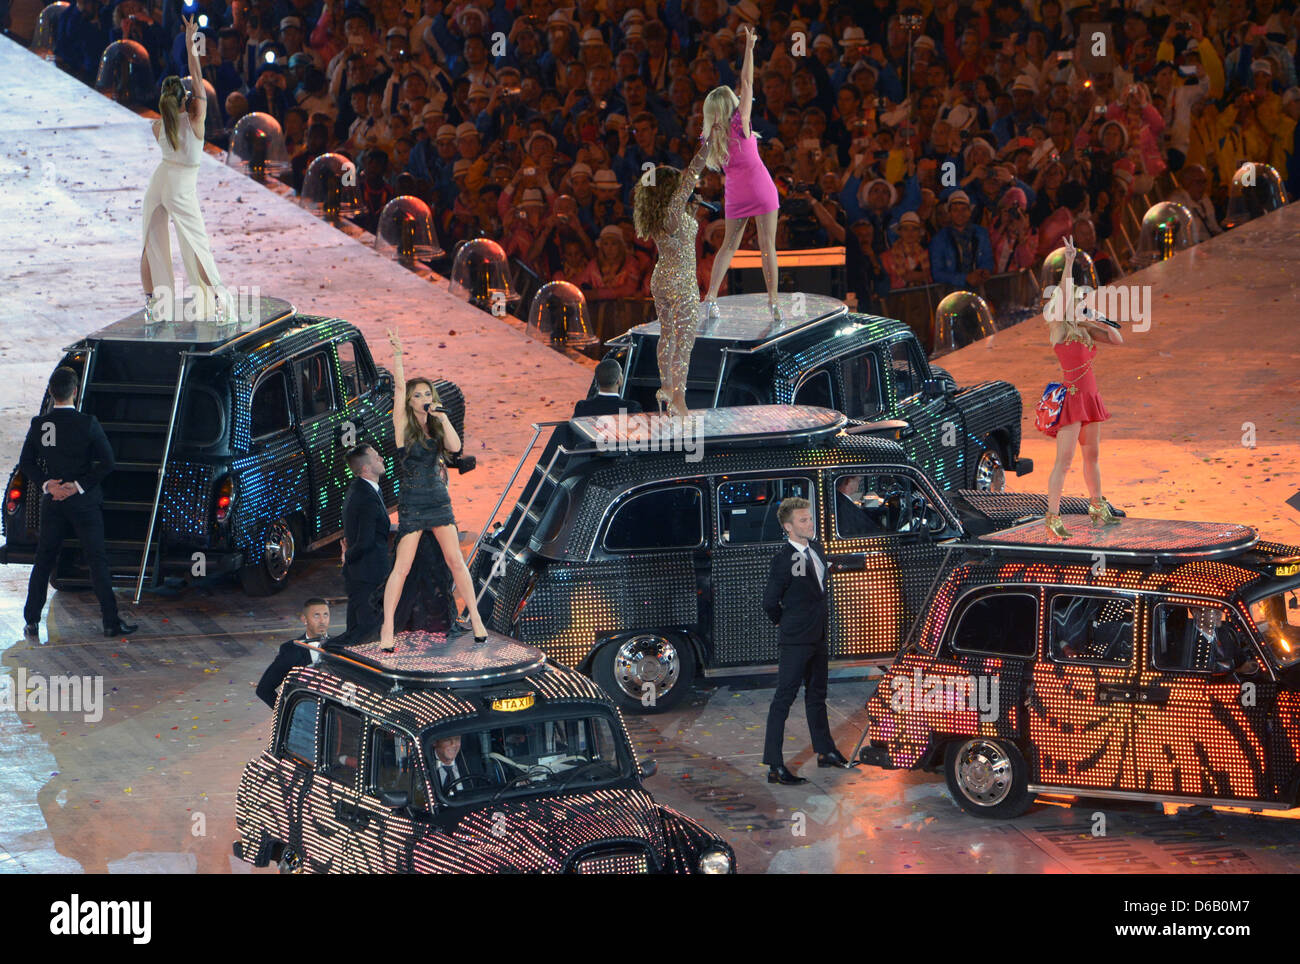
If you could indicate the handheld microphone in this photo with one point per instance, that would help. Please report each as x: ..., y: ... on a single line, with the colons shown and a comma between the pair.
x: 1094, y: 316
x: 709, y: 206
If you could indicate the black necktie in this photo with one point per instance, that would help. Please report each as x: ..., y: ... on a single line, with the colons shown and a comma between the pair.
x: 447, y: 781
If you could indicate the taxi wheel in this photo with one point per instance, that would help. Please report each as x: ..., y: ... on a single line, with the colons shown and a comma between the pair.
x: 645, y: 672
x: 275, y: 555
x: 290, y: 862
x: 991, y: 468
x: 987, y: 777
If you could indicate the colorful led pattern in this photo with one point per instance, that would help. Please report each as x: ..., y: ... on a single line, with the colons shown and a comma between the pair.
x: 1109, y: 714
x: 332, y: 826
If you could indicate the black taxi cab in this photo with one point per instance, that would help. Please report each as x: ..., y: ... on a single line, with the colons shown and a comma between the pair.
x: 229, y: 442
x: 638, y: 548
x: 456, y: 756
x: 1153, y: 660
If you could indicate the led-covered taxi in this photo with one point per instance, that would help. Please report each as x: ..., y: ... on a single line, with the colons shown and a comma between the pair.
x: 1150, y: 660
x: 456, y: 757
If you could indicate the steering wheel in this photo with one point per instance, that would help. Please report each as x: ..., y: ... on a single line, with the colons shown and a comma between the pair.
x: 469, y: 777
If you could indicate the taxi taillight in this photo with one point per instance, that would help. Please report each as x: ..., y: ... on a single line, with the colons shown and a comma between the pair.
x: 14, y: 494
x: 225, y: 498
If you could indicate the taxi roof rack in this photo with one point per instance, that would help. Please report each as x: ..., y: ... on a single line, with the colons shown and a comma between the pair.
x: 1158, y: 541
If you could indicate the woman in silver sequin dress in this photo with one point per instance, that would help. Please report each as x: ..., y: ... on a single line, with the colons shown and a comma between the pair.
x: 663, y: 213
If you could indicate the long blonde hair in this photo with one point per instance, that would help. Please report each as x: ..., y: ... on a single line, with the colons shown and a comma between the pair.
x: 170, y: 104
x: 719, y: 107
x: 413, y: 434
x: 650, y: 202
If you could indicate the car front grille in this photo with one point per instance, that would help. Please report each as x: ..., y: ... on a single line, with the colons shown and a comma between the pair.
x: 613, y: 862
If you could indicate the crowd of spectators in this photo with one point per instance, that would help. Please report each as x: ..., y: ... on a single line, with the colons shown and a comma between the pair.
x: 938, y: 143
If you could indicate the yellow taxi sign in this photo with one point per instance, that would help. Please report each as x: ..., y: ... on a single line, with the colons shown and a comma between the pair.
x: 1289, y: 569
x: 513, y: 704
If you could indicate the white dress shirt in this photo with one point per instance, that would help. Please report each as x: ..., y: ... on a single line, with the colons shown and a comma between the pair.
x: 816, y: 561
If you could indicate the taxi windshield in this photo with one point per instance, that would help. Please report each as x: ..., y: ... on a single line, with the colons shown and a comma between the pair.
x: 526, y: 756
x: 1278, y: 619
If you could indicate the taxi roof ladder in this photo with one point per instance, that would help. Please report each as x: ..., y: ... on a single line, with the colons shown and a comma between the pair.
x: 162, y: 472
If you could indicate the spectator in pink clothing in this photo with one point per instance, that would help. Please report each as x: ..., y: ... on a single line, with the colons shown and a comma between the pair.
x: 1074, y: 203
x: 1144, y: 126
x: 1015, y: 243
x: 614, y: 273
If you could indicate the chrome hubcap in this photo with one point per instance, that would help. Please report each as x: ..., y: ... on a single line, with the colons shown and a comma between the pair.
x: 280, y: 550
x: 984, y: 773
x: 290, y: 861
x: 646, y: 660
x: 990, y: 476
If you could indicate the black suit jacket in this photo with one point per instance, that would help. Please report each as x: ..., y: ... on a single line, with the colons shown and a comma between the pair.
x: 365, y: 526
x: 795, y: 602
x: 851, y: 521
x: 605, y: 405
x: 79, y: 451
x: 289, y: 656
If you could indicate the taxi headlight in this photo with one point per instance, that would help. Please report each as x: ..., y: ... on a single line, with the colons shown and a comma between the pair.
x: 715, y: 862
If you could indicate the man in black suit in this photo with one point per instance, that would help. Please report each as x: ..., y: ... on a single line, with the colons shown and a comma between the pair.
x: 795, y: 599
x: 365, y: 535
x: 606, y: 401
x: 851, y: 520
x: 316, y: 618
x: 66, y: 456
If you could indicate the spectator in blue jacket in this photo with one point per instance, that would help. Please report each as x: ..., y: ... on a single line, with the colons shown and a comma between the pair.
x: 82, y: 37
x: 961, y: 253
x: 1023, y: 115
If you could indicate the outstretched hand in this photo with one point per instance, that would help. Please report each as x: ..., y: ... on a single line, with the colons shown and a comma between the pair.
x: 395, y: 340
x: 191, y: 26
x: 1070, y: 249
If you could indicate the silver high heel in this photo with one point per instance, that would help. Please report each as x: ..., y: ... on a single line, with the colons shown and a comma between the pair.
x: 664, y: 399
x: 776, y: 312
x: 711, y: 310
x: 150, y: 304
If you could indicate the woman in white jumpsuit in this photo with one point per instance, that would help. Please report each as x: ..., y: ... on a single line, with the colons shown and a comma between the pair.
x: 173, y: 192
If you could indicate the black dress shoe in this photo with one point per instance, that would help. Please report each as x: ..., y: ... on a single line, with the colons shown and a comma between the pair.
x: 833, y: 759
x: 31, y: 629
x: 782, y: 775
x: 121, y: 629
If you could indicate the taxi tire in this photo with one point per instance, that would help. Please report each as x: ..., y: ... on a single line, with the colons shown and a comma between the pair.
x: 256, y: 580
x: 1014, y: 802
x: 992, y: 447
x: 602, y: 671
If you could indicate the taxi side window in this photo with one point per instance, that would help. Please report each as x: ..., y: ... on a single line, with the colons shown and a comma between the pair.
x: 269, y: 410
x: 299, y: 738
x: 816, y: 390
x: 1001, y: 624
x: 670, y: 518
x: 393, y: 767
x: 315, y: 396
x: 862, y: 397
x: 1196, y: 639
x: 354, y: 371
x: 342, y: 744
x: 906, y: 381
x: 1096, y: 630
x: 747, y: 509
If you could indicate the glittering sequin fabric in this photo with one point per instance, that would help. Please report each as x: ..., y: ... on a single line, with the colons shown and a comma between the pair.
x: 674, y: 286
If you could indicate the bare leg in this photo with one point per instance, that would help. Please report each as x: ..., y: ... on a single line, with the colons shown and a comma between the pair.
x: 449, y: 542
x: 1090, y: 445
x: 402, y: 560
x: 722, y: 260
x: 766, y: 224
x: 1066, y: 439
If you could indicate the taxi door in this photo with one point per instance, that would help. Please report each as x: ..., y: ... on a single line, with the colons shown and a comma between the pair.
x: 1080, y: 706
x: 1201, y: 717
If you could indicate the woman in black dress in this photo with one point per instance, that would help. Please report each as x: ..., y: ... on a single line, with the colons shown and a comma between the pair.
x: 424, y: 435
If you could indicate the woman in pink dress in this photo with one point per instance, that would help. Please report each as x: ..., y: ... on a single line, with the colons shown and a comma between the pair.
x: 750, y: 192
x: 1083, y: 412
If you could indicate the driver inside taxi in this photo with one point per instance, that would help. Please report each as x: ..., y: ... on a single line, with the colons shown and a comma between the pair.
x: 449, y: 765
x: 851, y: 518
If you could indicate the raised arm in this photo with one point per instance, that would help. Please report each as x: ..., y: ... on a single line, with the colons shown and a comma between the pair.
x: 746, y: 91
x: 399, y: 389
x: 199, y: 108
x: 690, y: 178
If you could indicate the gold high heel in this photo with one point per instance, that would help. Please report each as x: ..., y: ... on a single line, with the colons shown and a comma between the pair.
x: 1055, y: 526
x: 663, y: 398
x: 1099, y: 513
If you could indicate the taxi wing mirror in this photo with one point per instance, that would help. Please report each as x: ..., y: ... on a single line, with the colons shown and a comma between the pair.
x: 395, y: 799
x: 384, y: 383
x: 1222, y: 667
x: 934, y: 388
x: 649, y: 768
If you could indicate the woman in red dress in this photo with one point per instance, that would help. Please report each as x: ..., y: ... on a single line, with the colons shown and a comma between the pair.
x: 1082, y: 413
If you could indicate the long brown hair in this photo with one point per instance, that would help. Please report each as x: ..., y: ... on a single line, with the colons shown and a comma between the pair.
x: 170, y: 104
x: 413, y: 434
x: 650, y: 202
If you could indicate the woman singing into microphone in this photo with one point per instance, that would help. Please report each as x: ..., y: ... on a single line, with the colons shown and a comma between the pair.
x: 424, y: 436
x: 750, y: 192
x: 1083, y: 412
